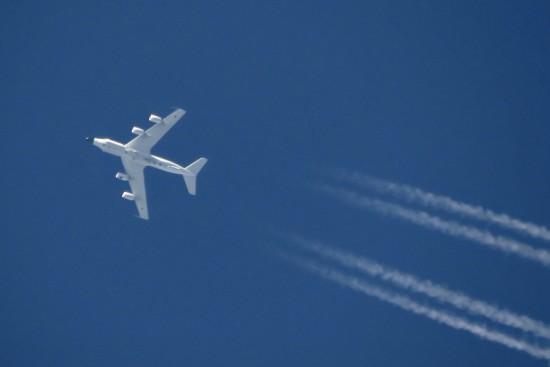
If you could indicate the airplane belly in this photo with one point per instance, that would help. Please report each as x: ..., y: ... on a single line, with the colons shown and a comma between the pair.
x: 152, y: 162
x: 136, y: 155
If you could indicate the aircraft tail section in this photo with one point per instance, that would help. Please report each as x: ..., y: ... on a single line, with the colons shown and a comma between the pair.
x: 194, y: 168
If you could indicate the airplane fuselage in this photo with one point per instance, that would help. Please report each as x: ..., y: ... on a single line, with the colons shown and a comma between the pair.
x: 136, y: 155
x: 150, y: 160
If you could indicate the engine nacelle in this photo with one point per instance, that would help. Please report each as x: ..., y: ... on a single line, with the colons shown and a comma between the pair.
x: 128, y: 196
x: 122, y: 176
x: 156, y: 119
x: 138, y: 131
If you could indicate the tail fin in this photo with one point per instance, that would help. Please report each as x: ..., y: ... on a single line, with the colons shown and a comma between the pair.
x: 194, y: 168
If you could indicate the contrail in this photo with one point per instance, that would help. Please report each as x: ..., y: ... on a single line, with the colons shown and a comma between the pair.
x: 435, y: 223
x: 435, y: 291
x: 445, y: 203
x: 407, y: 304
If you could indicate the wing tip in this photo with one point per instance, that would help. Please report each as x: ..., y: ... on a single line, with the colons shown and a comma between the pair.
x: 179, y: 109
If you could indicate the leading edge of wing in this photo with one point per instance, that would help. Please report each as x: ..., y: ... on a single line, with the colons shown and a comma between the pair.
x: 136, y: 180
x: 145, y: 142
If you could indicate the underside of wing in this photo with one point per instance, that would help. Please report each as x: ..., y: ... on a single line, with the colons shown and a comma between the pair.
x: 134, y: 171
x: 147, y: 139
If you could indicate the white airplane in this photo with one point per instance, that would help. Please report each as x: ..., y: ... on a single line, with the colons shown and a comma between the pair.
x: 136, y: 156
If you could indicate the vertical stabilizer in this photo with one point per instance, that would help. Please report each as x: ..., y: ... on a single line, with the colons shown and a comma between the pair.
x: 194, y: 168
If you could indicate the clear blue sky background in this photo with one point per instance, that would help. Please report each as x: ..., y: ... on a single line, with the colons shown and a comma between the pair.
x: 452, y: 97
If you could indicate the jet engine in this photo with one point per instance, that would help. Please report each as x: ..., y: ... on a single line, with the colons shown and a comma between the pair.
x: 156, y: 119
x: 122, y: 176
x: 137, y: 131
x: 128, y: 196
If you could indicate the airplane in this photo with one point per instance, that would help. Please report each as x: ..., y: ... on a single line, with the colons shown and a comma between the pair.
x: 136, y: 155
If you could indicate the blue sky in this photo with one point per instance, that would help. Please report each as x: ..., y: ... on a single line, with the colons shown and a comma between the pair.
x: 448, y: 97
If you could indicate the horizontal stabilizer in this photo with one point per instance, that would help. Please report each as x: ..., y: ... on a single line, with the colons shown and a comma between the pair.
x: 194, y: 168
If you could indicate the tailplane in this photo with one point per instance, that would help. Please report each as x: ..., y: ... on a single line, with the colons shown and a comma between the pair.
x: 194, y: 168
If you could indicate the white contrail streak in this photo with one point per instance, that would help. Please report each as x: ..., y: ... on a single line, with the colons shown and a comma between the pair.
x: 413, y: 194
x: 440, y: 316
x: 435, y: 291
x: 435, y: 223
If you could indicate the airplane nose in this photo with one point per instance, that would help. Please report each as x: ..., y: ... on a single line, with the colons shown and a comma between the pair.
x: 90, y: 140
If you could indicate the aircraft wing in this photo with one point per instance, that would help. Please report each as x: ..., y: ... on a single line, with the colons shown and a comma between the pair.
x: 143, y: 143
x: 137, y: 185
